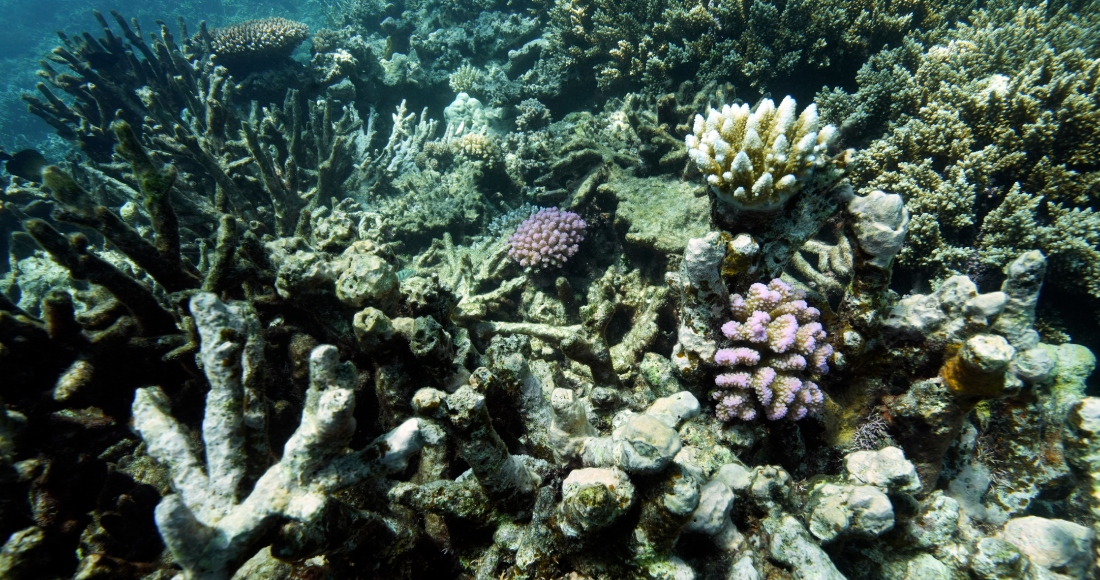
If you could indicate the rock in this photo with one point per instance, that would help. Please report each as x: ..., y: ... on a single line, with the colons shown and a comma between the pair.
x: 792, y: 546
x: 848, y: 510
x: 1057, y: 545
x: 674, y: 409
x: 886, y: 468
x: 919, y: 567
x: 996, y: 559
x: 642, y: 444
x: 880, y: 225
x: 364, y: 278
x: 593, y: 498
x: 936, y: 522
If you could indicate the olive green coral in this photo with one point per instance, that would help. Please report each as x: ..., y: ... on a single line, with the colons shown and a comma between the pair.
x: 997, y: 154
x: 758, y: 45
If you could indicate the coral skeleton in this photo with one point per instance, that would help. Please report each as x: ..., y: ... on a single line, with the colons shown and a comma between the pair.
x: 209, y: 523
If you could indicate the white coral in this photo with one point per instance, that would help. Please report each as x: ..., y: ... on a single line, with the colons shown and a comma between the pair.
x: 206, y: 524
x: 761, y: 157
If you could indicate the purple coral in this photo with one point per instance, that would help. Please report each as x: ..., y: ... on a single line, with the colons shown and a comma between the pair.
x: 776, y: 347
x: 548, y: 238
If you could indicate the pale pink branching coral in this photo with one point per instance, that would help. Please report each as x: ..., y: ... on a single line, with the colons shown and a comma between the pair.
x: 777, y: 347
x: 548, y: 238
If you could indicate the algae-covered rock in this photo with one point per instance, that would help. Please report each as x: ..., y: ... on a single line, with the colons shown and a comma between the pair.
x: 658, y: 213
x: 1057, y: 545
x: 793, y: 546
x: 364, y: 278
x: 996, y: 559
x: 919, y: 567
x: 848, y: 510
x: 886, y: 468
x: 593, y: 498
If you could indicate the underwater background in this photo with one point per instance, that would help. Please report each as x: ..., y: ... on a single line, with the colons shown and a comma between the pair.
x: 585, y: 289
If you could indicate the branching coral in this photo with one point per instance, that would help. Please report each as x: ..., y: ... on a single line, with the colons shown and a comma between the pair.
x: 760, y: 158
x: 997, y: 153
x: 760, y: 45
x: 548, y: 238
x: 785, y: 345
x: 209, y: 525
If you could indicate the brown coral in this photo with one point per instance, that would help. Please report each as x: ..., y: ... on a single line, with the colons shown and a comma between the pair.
x: 258, y: 40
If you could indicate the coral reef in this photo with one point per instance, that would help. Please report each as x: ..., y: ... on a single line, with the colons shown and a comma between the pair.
x: 435, y: 295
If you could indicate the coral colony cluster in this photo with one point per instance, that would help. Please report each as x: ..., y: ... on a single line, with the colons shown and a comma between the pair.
x: 263, y: 321
x: 547, y: 239
x: 784, y: 344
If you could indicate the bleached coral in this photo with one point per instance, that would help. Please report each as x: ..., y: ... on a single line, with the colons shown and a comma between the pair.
x: 758, y: 158
x: 208, y: 524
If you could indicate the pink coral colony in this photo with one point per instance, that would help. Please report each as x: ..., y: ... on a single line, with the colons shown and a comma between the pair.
x: 777, y: 344
x: 548, y: 238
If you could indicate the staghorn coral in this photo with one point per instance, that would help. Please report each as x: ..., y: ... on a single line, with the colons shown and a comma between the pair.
x: 208, y: 524
x: 761, y: 46
x: 994, y: 153
x: 785, y: 348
